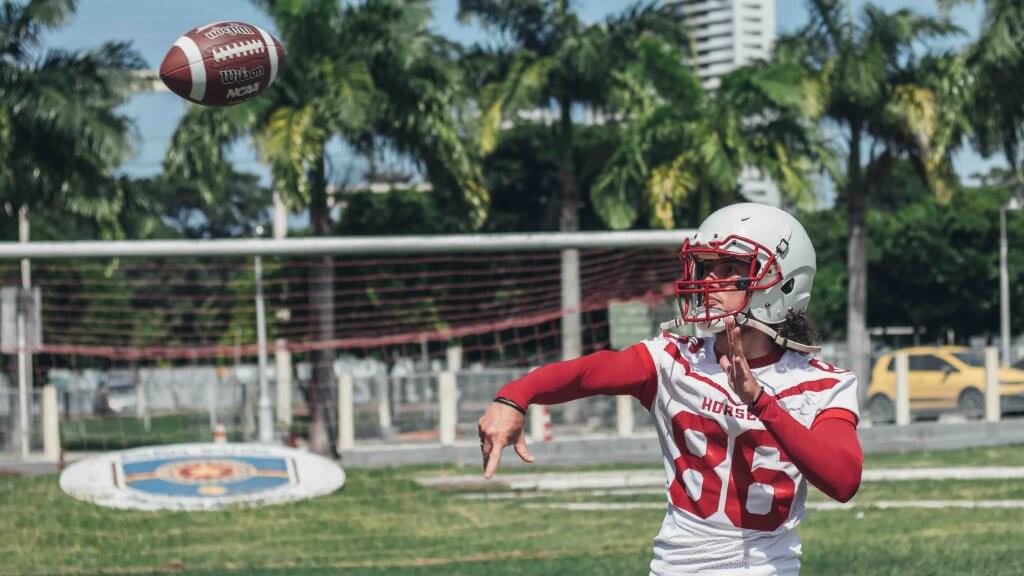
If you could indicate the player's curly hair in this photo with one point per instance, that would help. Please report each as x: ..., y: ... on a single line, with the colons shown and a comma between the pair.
x: 799, y: 327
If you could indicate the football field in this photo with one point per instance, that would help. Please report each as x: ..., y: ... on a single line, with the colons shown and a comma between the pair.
x: 384, y: 522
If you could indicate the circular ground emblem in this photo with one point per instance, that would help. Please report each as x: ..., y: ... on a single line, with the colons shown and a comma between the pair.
x: 201, y: 476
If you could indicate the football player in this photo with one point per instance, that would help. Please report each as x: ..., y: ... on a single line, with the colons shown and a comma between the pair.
x: 746, y: 415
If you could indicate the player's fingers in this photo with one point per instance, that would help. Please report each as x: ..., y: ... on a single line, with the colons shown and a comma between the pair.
x: 736, y: 339
x: 730, y: 323
x: 485, y: 450
x: 727, y: 368
x: 493, y: 459
x: 521, y: 449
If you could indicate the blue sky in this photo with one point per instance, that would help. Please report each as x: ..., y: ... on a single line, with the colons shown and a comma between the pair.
x: 153, y: 25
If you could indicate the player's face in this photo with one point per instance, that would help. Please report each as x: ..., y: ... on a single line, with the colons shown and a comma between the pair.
x: 728, y: 270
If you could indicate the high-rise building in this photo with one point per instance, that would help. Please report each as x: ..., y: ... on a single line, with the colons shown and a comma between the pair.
x: 726, y: 35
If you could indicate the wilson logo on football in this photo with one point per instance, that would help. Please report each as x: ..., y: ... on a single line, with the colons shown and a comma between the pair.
x: 243, y: 90
x: 236, y: 75
x: 231, y: 29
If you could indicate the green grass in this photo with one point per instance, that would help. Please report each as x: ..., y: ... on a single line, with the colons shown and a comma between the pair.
x: 994, y: 456
x: 382, y: 523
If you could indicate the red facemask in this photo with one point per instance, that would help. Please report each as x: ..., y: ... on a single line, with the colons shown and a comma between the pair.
x: 694, y: 291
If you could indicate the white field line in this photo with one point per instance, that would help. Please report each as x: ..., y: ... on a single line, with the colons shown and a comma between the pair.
x: 555, y: 481
x: 881, y: 504
x: 562, y: 481
x: 985, y: 473
x: 518, y: 495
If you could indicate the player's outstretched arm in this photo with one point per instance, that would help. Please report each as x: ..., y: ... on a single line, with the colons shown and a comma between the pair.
x: 500, y: 426
x: 629, y: 371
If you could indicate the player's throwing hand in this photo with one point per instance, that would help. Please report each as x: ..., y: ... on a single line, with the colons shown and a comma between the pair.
x: 734, y: 363
x: 500, y: 426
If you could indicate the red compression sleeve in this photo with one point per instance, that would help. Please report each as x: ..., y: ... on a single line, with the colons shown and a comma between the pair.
x: 828, y: 453
x: 630, y: 371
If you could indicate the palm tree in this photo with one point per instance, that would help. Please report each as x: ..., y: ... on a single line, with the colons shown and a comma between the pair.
x: 371, y: 74
x: 61, y: 135
x: 680, y: 140
x: 552, y: 60
x: 888, y: 100
x: 996, y: 63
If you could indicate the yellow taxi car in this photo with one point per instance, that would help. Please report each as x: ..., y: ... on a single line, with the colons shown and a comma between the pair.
x: 941, y: 378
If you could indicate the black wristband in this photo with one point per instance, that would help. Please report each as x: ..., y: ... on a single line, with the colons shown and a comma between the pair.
x: 511, y: 403
x: 753, y: 403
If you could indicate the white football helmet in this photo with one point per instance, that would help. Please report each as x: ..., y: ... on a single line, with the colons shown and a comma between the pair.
x: 782, y: 265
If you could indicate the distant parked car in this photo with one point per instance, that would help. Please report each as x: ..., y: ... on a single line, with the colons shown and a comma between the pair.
x: 941, y: 378
x: 115, y: 395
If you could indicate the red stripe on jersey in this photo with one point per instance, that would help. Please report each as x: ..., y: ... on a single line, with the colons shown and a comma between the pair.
x: 809, y: 386
x: 673, y: 351
x: 826, y: 367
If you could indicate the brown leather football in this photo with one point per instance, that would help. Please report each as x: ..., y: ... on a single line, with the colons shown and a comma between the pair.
x: 222, y: 63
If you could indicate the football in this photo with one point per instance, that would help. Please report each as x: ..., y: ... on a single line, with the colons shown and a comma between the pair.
x: 222, y: 64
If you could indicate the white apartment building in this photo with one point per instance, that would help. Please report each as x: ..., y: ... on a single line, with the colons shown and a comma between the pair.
x: 726, y: 35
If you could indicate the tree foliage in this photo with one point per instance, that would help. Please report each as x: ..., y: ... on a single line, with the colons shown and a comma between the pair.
x: 550, y: 63
x: 680, y: 141
x: 61, y: 133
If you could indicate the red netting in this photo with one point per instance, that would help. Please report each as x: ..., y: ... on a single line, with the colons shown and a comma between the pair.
x: 161, y: 350
x: 502, y: 307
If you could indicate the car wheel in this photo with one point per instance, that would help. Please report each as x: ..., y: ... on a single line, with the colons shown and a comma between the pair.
x: 971, y: 403
x: 881, y: 409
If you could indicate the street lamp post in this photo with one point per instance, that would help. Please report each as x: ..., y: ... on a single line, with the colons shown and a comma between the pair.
x: 1004, y: 281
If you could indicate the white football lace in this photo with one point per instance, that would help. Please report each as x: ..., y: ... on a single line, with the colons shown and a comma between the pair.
x: 243, y: 48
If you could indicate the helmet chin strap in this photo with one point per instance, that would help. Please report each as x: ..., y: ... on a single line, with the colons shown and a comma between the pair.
x: 673, y: 323
x: 744, y: 320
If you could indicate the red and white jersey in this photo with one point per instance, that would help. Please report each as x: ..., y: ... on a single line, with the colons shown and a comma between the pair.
x: 735, y: 498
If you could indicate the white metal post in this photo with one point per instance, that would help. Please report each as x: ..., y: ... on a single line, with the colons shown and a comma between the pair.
x: 1004, y: 291
x: 428, y: 244
x: 346, y: 413
x: 448, y: 394
x: 383, y: 383
x: 571, y: 324
x: 537, y: 422
x: 23, y: 381
x: 266, y: 410
x: 624, y: 415
x: 283, y: 379
x: 572, y: 344
x: 141, y: 401
x: 211, y: 400
x: 902, y: 389
x: 24, y: 356
x: 282, y: 356
x: 454, y: 356
x: 992, y: 384
x: 51, y: 424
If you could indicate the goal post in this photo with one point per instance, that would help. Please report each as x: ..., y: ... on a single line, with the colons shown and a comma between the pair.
x: 172, y: 325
